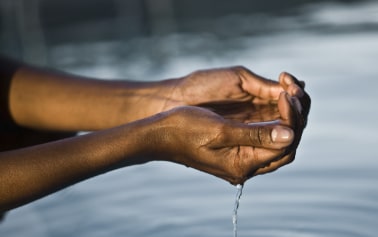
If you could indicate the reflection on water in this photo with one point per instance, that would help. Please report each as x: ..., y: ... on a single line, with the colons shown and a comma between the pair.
x: 330, y: 190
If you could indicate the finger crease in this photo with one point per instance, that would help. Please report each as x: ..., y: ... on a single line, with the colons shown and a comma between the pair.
x: 260, y: 136
x: 237, y: 161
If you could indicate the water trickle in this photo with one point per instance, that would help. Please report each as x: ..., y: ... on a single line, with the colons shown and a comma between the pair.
x: 239, y: 188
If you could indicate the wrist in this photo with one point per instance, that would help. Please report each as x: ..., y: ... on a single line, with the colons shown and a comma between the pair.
x: 155, y: 137
x: 141, y: 100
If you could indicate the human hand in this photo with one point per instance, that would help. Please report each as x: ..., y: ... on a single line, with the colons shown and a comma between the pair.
x: 231, y: 150
x: 259, y: 112
x: 224, y: 86
x: 205, y: 88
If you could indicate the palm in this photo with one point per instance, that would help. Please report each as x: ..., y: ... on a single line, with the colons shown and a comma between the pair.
x: 245, y: 112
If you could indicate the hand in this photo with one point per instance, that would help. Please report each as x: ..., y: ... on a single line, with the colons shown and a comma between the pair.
x: 238, y: 94
x: 212, y: 88
x: 296, y: 118
x: 226, y: 85
x: 231, y: 150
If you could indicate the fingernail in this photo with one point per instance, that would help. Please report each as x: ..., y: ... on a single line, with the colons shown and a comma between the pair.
x: 282, y: 134
x: 287, y: 79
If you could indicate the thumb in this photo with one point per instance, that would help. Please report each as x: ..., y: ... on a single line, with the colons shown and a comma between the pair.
x: 264, y: 135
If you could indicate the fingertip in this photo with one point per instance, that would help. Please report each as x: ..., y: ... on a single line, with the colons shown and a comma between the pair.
x: 292, y: 84
x: 285, y: 78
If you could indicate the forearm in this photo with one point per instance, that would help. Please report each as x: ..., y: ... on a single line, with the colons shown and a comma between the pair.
x: 31, y: 173
x: 57, y: 101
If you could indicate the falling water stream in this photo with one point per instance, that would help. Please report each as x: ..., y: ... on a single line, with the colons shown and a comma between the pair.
x: 239, y: 188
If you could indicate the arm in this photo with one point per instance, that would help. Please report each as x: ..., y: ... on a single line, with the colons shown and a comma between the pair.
x: 52, y: 100
x: 30, y: 173
x: 227, y: 149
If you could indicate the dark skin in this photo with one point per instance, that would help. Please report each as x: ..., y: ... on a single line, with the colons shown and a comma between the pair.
x: 211, y: 120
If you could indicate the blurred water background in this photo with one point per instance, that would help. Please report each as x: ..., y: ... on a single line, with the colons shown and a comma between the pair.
x: 330, y: 189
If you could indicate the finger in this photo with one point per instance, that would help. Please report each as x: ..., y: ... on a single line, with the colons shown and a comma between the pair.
x: 289, y: 79
x: 291, y: 116
x: 303, y: 84
x: 305, y: 101
x: 252, y: 159
x: 296, y: 88
x: 261, y: 88
x: 255, y: 158
x: 265, y: 135
x: 275, y: 164
x: 291, y: 84
x: 291, y: 111
x: 285, y: 108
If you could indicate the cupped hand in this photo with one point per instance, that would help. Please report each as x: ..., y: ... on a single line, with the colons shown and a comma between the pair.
x: 231, y: 150
x: 226, y: 85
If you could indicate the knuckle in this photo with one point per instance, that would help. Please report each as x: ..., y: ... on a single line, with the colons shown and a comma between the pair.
x: 241, y: 70
x: 254, y: 136
x: 260, y: 136
x: 222, y: 134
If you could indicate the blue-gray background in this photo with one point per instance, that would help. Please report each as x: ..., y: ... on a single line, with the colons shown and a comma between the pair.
x: 330, y: 189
